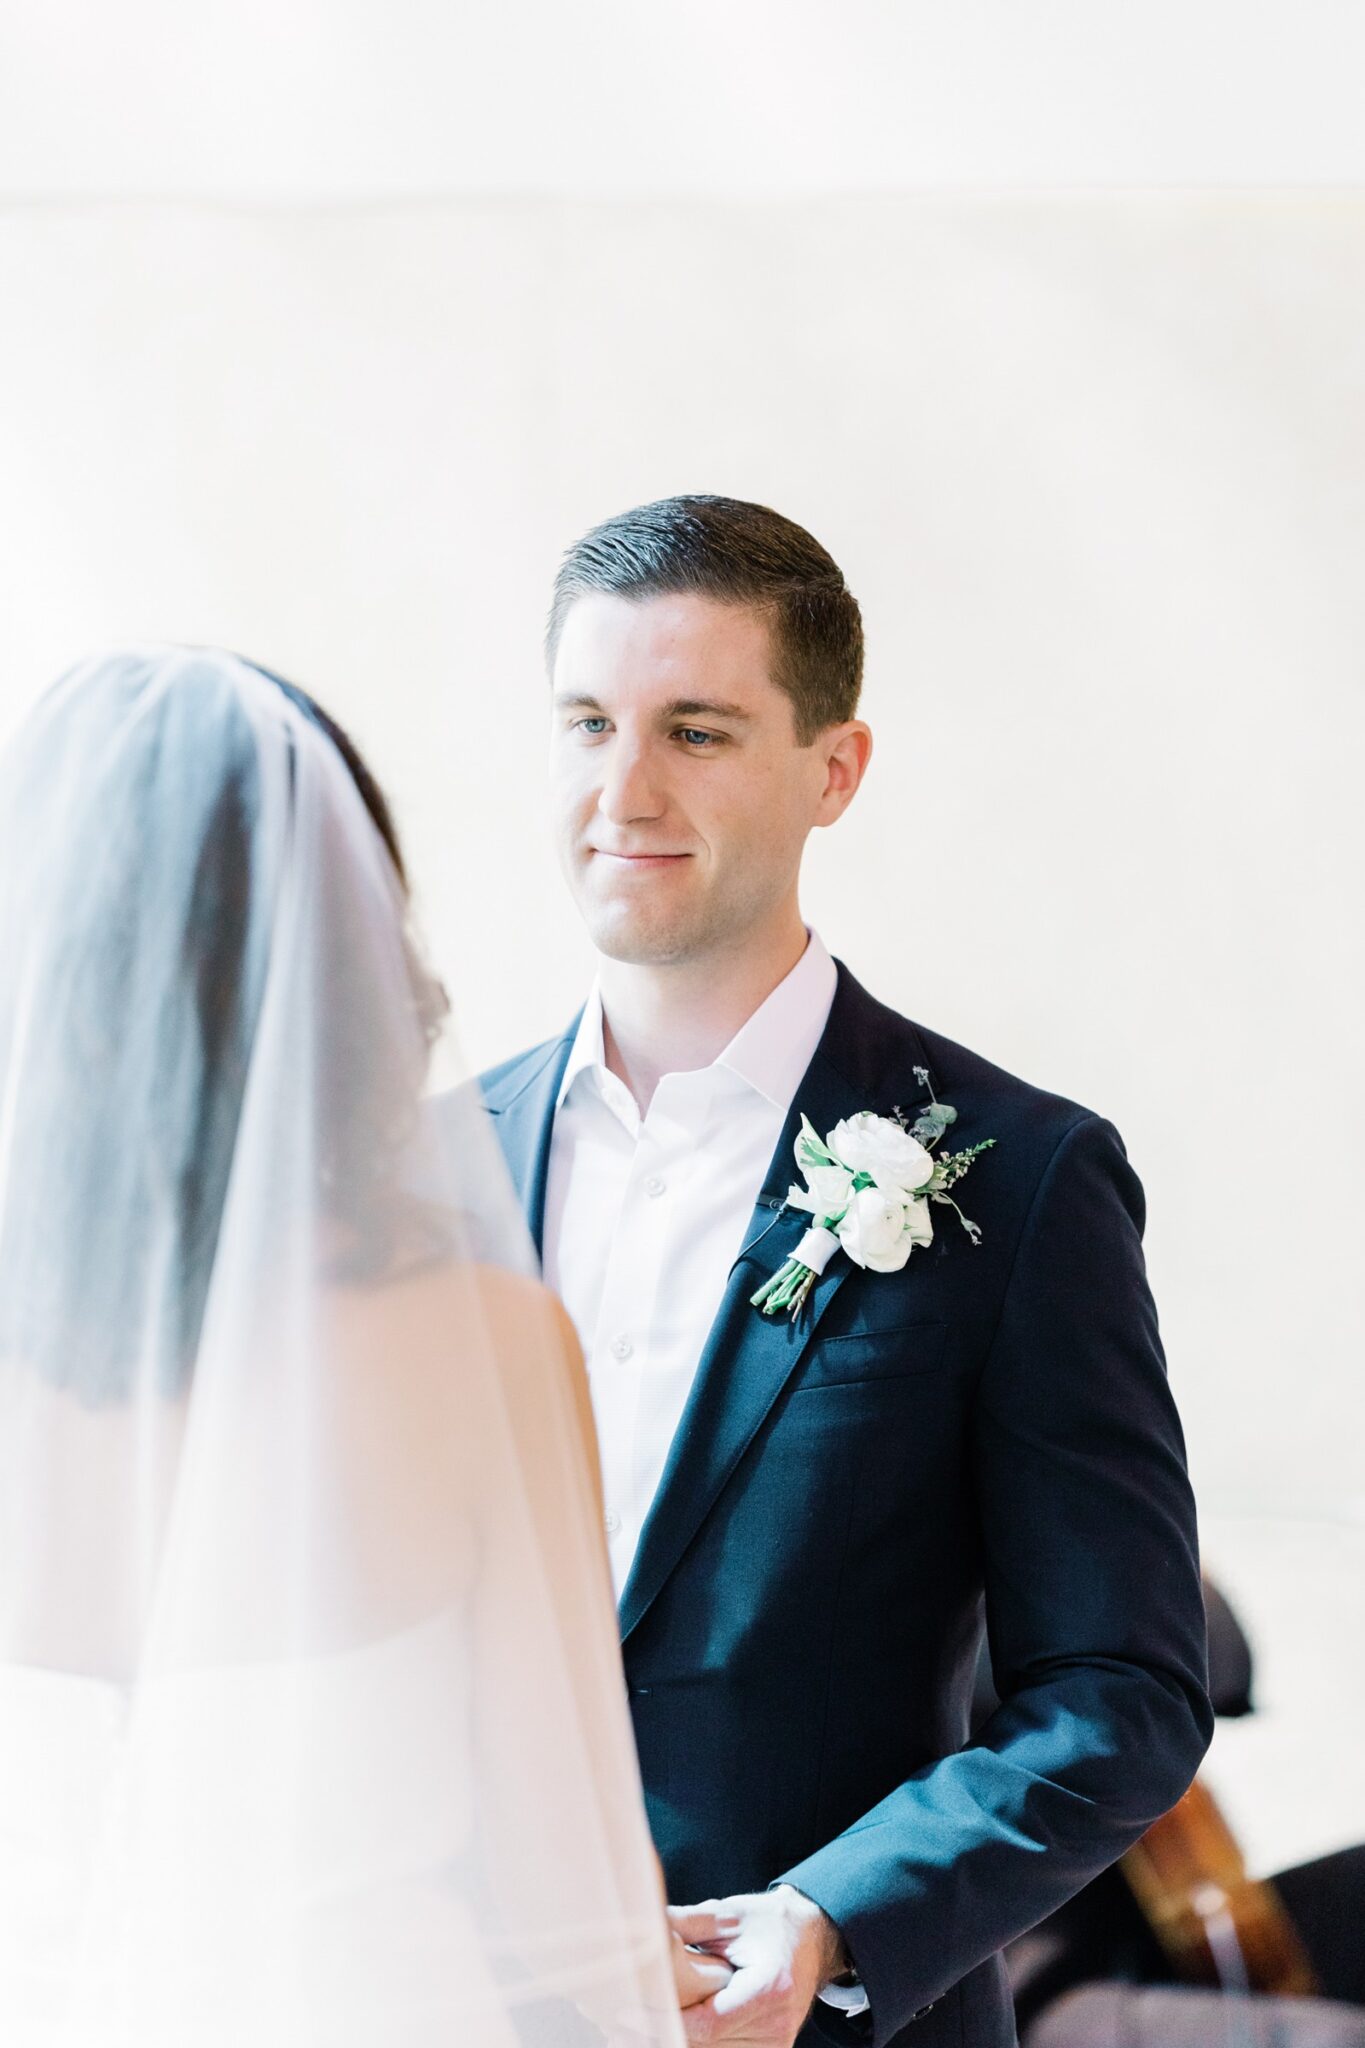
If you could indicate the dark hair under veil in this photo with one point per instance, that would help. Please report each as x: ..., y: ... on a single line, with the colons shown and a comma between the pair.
x: 139, y: 828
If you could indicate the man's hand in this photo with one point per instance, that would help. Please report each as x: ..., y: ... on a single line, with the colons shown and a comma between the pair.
x: 696, y: 1977
x: 783, y: 1950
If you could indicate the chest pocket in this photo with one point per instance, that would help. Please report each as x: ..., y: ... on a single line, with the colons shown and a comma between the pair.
x: 893, y: 1353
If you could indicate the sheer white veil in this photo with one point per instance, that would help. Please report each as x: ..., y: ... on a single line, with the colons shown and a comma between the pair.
x: 312, y: 1721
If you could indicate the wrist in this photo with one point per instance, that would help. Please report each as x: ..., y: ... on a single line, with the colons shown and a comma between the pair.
x: 831, y: 1958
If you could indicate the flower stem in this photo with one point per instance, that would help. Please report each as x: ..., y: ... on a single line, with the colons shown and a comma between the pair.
x: 788, y: 1288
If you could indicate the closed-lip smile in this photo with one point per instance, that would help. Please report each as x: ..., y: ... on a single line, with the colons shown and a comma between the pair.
x: 639, y: 859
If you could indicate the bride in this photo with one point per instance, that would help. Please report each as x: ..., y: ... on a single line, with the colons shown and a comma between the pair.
x: 312, y: 1723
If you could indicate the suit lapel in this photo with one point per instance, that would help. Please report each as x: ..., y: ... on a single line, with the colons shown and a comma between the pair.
x: 749, y: 1357
x: 525, y: 1122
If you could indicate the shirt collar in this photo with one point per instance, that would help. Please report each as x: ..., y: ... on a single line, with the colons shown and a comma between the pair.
x: 588, y: 1052
x: 770, y: 1052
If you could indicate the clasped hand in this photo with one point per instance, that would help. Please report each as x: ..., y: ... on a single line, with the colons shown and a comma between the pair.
x: 780, y: 1949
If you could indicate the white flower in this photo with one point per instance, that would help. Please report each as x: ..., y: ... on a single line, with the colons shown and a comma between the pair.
x: 881, y: 1233
x: 919, y: 1224
x: 878, y: 1225
x: 830, y: 1190
x: 877, y: 1145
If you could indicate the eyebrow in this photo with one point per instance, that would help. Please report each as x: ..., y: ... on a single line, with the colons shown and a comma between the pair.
x: 680, y: 707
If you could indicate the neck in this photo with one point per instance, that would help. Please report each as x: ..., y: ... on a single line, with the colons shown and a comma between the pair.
x: 669, y: 1019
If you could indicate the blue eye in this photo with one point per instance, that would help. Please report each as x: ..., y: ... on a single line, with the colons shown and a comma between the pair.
x: 693, y: 732
x: 597, y: 723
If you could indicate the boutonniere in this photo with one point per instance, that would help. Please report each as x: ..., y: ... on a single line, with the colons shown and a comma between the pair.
x: 869, y: 1186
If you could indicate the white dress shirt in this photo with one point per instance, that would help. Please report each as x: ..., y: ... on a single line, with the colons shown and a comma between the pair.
x: 644, y: 1217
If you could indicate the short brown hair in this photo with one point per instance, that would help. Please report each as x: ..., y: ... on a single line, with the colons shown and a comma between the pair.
x: 736, y: 553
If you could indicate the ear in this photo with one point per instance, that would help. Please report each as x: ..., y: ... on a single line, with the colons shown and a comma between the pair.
x: 845, y: 750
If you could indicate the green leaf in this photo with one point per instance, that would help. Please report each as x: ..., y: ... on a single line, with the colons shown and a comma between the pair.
x: 811, y: 1149
x: 931, y: 1123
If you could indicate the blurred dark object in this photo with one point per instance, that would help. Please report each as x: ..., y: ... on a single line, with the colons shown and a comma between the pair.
x: 1132, y: 1996
x: 1229, y: 1657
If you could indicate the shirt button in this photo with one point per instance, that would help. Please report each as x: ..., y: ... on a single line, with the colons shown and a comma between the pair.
x: 622, y: 1346
x: 654, y: 1185
x: 612, y: 1522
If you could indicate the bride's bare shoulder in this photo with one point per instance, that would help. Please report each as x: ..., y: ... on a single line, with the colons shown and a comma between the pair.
x: 424, y: 1310
x: 440, y: 1362
x: 514, y: 1299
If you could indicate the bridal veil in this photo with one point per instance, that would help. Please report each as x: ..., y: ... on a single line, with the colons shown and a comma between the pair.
x: 312, y: 1722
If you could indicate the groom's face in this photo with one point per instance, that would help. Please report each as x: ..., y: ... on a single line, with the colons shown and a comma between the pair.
x: 682, y: 799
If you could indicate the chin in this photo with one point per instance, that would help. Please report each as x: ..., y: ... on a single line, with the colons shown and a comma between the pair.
x: 638, y: 949
x: 637, y: 941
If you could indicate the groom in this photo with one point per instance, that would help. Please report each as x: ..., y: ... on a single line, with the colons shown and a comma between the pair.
x: 808, y: 1518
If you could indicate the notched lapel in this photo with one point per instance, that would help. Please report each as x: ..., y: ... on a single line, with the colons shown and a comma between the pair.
x: 524, y: 1122
x: 749, y: 1357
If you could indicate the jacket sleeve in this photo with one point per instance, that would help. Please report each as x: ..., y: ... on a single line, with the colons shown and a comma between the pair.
x: 1093, y: 1609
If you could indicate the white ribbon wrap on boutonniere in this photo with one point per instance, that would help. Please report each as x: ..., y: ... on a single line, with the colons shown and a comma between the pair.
x: 868, y: 1188
x: 816, y: 1249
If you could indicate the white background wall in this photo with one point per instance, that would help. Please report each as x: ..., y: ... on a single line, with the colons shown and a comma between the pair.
x: 321, y: 342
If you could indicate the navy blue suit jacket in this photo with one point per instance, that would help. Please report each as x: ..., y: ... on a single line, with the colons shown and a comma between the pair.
x: 988, y: 1432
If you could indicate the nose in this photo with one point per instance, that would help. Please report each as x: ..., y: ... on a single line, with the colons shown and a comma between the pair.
x: 630, y: 792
